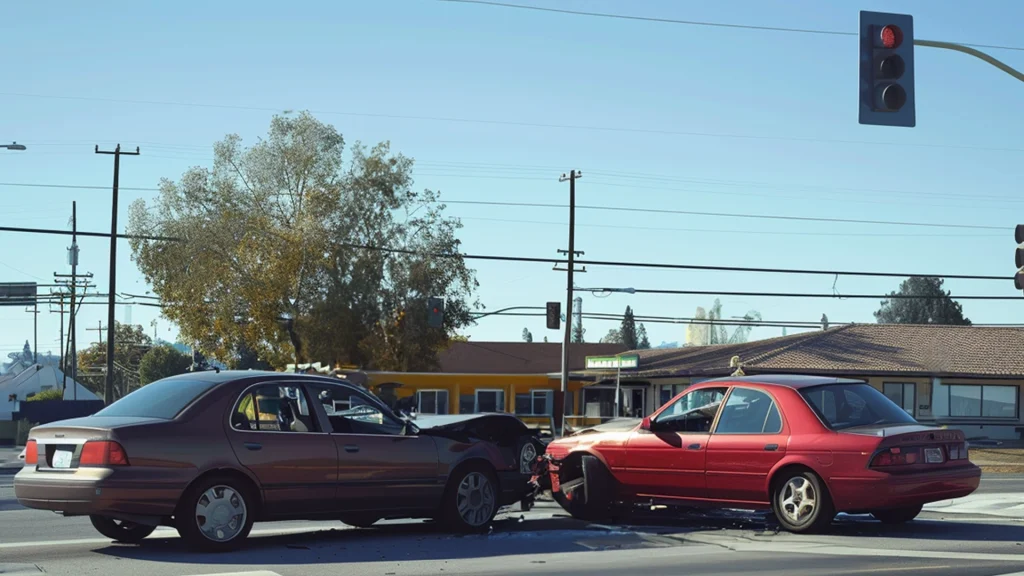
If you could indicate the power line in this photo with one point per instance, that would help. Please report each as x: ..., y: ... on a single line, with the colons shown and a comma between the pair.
x: 690, y: 22
x: 523, y: 124
x: 80, y: 233
x: 726, y: 214
x: 603, y: 208
x: 808, y: 295
x: 685, y: 267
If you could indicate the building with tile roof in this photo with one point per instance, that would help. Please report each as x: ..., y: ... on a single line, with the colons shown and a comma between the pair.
x: 968, y: 377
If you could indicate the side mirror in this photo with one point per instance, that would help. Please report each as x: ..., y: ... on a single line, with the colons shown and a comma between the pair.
x: 645, y: 424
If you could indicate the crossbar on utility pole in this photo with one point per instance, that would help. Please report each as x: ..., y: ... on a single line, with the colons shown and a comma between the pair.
x: 108, y: 389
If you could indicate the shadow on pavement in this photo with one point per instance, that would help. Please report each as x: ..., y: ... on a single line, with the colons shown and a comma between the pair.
x: 388, y: 542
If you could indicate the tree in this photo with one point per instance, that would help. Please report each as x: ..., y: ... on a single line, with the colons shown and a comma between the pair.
x: 627, y: 331
x: 614, y: 336
x: 708, y: 329
x: 130, y: 344
x: 527, y: 336
x: 930, y: 305
x: 26, y: 353
x: 162, y: 362
x: 246, y: 358
x: 299, y: 256
x: 578, y: 331
x: 642, y: 341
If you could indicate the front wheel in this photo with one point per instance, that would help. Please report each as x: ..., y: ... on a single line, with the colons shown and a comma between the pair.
x: 802, y: 504
x: 897, y: 515
x: 121, y: 530
x: 215, y: 515
x: 471, y: 500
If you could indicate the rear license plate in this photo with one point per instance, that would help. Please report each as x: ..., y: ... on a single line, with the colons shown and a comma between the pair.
x: 62, y: 458
x: 933, y: 455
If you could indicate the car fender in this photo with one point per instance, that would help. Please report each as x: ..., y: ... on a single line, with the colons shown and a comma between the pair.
x: 815, y: 461
x: 588, y: 449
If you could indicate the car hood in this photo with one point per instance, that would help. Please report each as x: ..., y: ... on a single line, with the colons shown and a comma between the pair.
x: 432, y: 421
x: 614, y: 425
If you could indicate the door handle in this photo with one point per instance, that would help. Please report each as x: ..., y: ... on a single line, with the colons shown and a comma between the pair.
x: 351, y: 448
x: 253, y: 446
x: 693, y: 447
x: 771, y: 447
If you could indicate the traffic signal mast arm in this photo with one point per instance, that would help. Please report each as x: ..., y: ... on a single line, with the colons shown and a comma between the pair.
x: 976, y: 53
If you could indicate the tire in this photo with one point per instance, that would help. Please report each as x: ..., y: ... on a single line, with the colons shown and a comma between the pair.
x: 595, y: 502
x: 121, y: 530
x: 230, y: 503
x: 471, y: 499
x: 360, y: 521
x: 897, y: 515
x: 801, y: 502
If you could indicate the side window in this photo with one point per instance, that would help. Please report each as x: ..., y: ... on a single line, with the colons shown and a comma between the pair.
x: 694, y: 412
x: 274, y: 408
x: 352, y: 412
x: 749, y: 411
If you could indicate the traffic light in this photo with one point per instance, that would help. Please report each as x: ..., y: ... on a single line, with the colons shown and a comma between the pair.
x: 887, y: 69
x: 1018, y: 278
x: 435, y: 312
x: 554, y: 315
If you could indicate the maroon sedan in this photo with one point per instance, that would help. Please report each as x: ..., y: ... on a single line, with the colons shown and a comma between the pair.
x: 805, y: 447
x: 210, y: 453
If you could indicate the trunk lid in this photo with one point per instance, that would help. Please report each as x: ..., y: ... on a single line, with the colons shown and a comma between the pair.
x: 915, y: 447
x: 59, y: 444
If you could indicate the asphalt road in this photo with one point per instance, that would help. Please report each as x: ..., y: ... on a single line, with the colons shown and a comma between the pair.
x: 540, y: 542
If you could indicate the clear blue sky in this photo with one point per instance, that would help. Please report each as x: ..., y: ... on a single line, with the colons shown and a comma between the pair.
x: 350, y: 60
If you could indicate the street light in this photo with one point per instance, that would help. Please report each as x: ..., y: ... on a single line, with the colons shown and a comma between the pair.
x: 606, y: 290
x: 13, y: 146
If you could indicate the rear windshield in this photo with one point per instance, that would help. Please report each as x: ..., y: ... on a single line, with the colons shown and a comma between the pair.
x: 161, y: 399
x: 844, y: 406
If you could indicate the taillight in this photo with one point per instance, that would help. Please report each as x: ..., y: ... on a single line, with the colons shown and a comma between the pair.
x: 895, y: 457
x: 31, y: 453
x: 103, y: 453
x: 957, y: 451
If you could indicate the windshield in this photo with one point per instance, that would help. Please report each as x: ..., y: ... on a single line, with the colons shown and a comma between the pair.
x: 162, y: 399
x: 845, y: 406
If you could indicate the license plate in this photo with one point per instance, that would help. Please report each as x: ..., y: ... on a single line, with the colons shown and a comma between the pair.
x: 933, y: 455
x: 62, y: 458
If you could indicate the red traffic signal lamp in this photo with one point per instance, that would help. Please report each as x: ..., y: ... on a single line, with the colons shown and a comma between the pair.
x: 887, y: 69
x: 435, y: 312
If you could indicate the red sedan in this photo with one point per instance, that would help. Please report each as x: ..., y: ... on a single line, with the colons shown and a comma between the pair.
x: 805, y: 447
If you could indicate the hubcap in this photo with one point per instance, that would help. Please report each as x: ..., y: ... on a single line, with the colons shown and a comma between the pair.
x: 221, y: 513
x: 475, y: 500
x: 798, y: 500
x: 526, y: 459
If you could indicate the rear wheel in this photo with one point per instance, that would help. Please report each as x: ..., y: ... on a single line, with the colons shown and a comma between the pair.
x: 215, y: 514
x: 801, y: 503
x: 897, y: 515
x: 471, y: 499
x: 121, y: 530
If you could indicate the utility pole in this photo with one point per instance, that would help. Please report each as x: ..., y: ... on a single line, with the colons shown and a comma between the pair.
x: 35, y: 329
x: 571, y: 254
x: 108, y: 389
x: 76, y: 281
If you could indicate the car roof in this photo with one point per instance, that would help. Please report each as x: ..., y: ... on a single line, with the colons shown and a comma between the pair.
x: 795, y: 381
x: 225, y: 376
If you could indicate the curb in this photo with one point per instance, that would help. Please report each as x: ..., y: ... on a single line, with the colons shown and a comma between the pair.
x: 10, y: 470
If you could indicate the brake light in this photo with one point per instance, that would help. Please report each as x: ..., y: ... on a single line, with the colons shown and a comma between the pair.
x: 103, y: 453
x: 895, y: 457
x: 957, y: 451
x: 31, y: 453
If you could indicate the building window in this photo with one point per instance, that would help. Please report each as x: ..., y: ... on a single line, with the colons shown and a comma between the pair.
x: 466, y: 402
x: 904, y: 394
x: 975, y: 401
x: 535, y: 403
x: 490, y: 401
x: 432, y: 401
x: 668, y: 392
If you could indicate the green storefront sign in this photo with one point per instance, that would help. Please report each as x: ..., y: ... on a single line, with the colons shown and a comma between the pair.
x: 613, y: 362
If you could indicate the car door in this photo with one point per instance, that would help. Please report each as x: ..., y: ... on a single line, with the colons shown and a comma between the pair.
x: 275, y: 436
x: 382, y: 463
x: 749, y: 438
x: 668, y: 459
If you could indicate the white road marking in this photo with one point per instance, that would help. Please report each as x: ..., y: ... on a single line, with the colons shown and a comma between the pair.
x: 160, y: 533
x: 251, y: 573
x: 739, y: 544
x: 1001, y: 504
